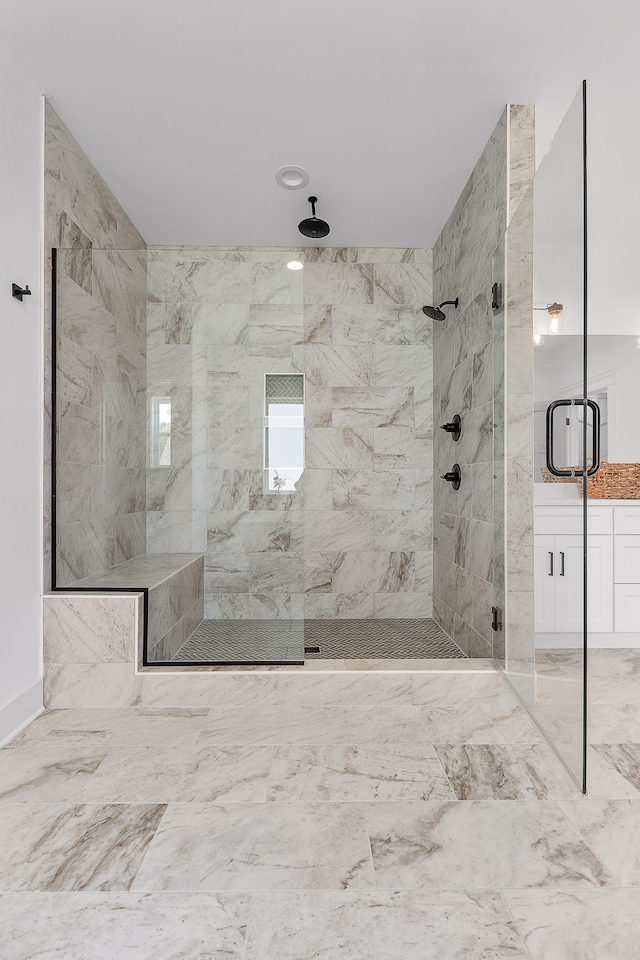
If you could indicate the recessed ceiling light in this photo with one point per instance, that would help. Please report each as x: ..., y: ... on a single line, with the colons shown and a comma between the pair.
x: 292, y: 177
x: 295, y: 265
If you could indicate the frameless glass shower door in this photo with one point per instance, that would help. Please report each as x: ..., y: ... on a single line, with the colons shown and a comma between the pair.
x: 547, y: 446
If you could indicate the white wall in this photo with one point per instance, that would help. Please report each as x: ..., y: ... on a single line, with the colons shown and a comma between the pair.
x: 21, y: 185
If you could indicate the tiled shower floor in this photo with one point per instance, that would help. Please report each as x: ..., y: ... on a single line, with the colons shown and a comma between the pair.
x: 281, y: 641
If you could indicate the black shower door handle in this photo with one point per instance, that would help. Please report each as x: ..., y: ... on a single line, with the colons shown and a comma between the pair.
x: 595, y: 459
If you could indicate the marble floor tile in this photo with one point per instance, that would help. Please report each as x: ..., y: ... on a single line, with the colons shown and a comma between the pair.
x: 514, y: 724
x: 38, y: 729
x: 46, y: 772
x: 614, y: 663
x: 493, y: 845
x: 612, y: 830
x: 55, y: 846
x: 272, y: 846
x: 276, y: 725
x: 619, y: 723
x: 346, y: 689
x: 181, y: 773
x: 447, y: 925
x: 133, y: 726
x: 421, y: 725
x: 624, y: 758
x: 355, y: 773
x: 577, y: 924
x: 481, y: 689
x: 505, y: 771
x: 97, y: 926
x: 604, y: 782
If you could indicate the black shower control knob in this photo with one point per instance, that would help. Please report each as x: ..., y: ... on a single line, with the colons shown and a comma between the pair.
x: 454, y: 427
x: 454, y: 476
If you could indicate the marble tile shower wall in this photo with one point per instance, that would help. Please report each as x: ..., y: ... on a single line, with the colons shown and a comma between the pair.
x: 101, y: 359
x: 355, y: 540
x: 464, y: 381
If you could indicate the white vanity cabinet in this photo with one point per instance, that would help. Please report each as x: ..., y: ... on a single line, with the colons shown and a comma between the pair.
x: 613, y: 557
x: 559, y: 579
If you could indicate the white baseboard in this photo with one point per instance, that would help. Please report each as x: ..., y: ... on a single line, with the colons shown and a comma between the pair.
x: 573, y: 641
x: 18, y: 713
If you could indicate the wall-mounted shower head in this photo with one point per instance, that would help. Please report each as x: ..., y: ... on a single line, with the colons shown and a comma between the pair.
x: 313, y: 227
x: 436, y: 313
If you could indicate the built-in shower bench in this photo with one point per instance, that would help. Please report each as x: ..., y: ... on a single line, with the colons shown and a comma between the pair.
x: 103, y: 618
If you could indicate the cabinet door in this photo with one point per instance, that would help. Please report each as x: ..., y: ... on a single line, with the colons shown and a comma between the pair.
x: 569, y: 584
x: 627, y: 555
x: 544, y: 577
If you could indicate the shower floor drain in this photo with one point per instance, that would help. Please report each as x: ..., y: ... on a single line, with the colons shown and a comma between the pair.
x: 291, y: 641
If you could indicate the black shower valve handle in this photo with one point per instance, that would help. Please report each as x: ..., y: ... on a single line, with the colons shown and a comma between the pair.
x: 454, y: 427
x: 453, y: 476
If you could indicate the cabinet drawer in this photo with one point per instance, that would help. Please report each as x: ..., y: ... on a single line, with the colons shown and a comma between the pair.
x: 568, y: 520
x: 627, y: 608
x: 626, y: 520
x: 627, y: 559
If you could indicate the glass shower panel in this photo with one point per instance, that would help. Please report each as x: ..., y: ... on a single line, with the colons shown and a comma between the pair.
x: 174, y: 471
x: 225, y: 410
x: 551, y: 432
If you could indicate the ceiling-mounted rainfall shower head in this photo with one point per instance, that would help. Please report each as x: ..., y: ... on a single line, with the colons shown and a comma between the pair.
x: 313, y: 227
x: 436, y: 313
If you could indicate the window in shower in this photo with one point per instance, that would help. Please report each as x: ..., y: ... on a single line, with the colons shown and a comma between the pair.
x: 283, y: 432
x: 160, y: 431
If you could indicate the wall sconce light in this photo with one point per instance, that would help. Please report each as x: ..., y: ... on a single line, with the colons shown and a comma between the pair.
x: 554, y: 310
x: 538, y: 339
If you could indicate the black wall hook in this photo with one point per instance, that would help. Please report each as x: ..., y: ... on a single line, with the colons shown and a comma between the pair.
x: 20, y: 292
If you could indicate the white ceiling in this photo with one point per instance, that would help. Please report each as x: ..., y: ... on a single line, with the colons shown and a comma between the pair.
x: 188, y: 107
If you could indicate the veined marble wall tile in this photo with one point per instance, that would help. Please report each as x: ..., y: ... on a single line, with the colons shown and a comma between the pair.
x: 338, y: 606
x: 410, y: 284
x: 84, y: 548
x: 176, y: 531
x: 318, y: 323
x: 343, y: 366
x: 404, y: 530
x: 229, y: 489
x: 338, y: 283
x: 316, y: 489
x: 318, y: 406
x: 393, y: 447
x: 267, y: 576
x: 80, y: 628
x: 392, y: 606
x: 272, y: 329
x: 376, y: 407
x: 255, y: 606
x: 213, y: 323
x: 374, y: 572
x: 463, y: 355
x: 130, y: 536
x: 237, y: 450
x: 423, y: 408
x: 397, y: 366
x: 73, y: 488
x: 338, y: 447
x: 360, y: 255
x: 209, y: 691
x: 372, y: 490
x: 380, y: 323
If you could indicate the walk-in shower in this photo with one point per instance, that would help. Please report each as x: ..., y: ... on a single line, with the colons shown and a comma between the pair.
x: 252, y: 447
